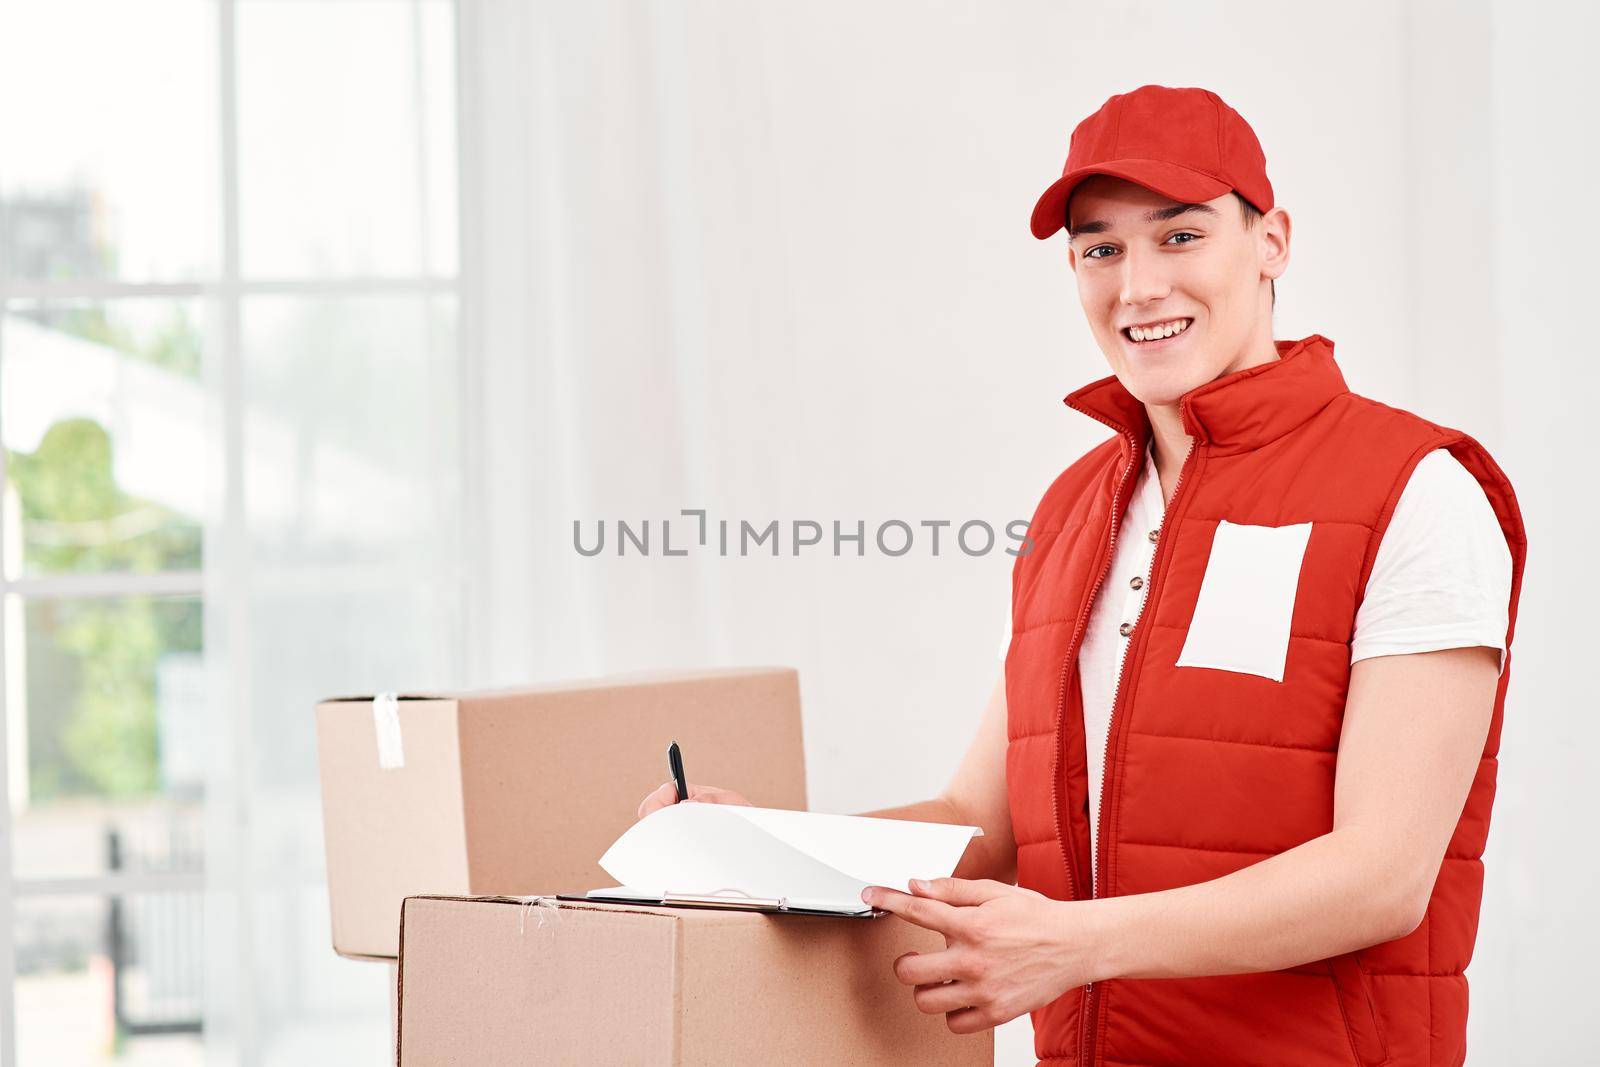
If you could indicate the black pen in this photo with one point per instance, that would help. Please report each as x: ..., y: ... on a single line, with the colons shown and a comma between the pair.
x: 675, y: 761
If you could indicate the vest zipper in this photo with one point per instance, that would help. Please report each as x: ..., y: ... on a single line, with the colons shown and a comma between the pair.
x: 1091, y: 1006
x: 1061, y: 688
x: 1066, y: 669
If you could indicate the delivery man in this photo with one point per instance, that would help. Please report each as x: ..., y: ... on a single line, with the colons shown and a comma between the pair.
x: 1235, y: 778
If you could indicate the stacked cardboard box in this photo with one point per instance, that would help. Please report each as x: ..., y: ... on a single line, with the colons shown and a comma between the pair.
x: 520, y: 791
x: 515, y: 793
x: 499, y: 982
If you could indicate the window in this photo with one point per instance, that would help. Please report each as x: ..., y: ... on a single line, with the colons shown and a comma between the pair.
x: 219, y: 219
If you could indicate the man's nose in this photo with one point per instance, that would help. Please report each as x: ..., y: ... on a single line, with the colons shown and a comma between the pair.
x: 1143, y: 278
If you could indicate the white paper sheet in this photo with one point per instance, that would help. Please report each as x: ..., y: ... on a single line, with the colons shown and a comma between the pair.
x: 809, y: 859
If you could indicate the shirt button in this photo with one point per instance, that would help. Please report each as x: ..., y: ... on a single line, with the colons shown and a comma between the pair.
x: 1154, y: 534
x: 1125, y: 629
x: 1137, y: 582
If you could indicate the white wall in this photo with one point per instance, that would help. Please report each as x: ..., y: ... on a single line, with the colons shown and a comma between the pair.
x: 1538, y: 935
x: 773, y: 261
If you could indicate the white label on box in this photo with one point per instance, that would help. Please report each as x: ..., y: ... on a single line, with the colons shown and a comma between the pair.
x: 386, y: 721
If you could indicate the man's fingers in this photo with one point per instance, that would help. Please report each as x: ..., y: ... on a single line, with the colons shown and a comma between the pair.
x: 667, y: 793
x: 940, y: 998
x: 932, y: 914
x: 707, y: 794
x: 964, y: 891
x: 967, y: 1021
x: 929, y: 968
x: 663, y: 795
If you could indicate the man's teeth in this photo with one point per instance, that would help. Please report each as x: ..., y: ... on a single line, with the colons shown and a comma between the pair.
x: 1158, y: 331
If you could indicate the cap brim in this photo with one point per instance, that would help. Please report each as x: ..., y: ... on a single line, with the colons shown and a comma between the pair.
x: 1169, y: 179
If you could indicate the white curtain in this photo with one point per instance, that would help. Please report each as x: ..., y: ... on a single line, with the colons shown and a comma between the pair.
x: 332, y: 569
x: 771, y: 261
x: 333, y: 539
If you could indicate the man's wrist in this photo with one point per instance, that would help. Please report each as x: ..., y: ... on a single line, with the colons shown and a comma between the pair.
x: 1098, y: 933
x: 1114, y: 935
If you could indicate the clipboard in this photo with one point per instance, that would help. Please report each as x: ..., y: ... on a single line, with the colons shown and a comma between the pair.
x: 771, y: 859
x: 732, y: 899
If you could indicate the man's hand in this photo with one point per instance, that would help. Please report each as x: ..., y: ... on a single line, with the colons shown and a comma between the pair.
x: 1008, y: 950
x: 704, y: 794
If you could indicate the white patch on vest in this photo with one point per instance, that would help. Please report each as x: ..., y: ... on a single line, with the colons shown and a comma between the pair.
x: 1241, y: 619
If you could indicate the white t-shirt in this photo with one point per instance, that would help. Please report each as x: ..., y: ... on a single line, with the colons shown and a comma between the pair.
x: 1441, y: 579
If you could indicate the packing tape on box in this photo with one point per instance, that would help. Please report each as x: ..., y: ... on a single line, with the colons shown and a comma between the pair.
x: 540, y: 906
x: 386, y: 721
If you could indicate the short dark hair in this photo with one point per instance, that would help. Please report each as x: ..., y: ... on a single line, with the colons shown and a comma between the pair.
x: 1249, y: 212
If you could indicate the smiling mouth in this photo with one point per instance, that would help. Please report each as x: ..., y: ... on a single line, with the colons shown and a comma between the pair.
x: 1155, y: 334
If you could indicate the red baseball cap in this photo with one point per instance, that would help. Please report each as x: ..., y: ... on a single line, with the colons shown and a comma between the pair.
x: 1185, y: 144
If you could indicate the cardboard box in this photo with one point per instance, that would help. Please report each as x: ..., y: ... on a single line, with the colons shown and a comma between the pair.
x: 520, y: 791
x: 497, y: 982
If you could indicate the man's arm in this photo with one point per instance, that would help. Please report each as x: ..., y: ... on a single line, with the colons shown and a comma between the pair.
x: 1414, y: 730
x: 976, y: 796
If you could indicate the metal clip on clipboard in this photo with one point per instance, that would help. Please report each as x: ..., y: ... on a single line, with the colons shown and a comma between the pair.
x: 716, y: 898
x: 730, y: 898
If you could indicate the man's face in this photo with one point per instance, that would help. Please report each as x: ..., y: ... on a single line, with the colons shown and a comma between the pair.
x: 1199, y: 266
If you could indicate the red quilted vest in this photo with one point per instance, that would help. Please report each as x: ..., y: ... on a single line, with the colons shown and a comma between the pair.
x: 1210, y: 770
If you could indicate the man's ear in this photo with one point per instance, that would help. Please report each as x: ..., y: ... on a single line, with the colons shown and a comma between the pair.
x: 1275, y: 229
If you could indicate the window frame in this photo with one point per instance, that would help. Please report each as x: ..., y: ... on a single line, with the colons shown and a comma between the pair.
x: 225, y: 293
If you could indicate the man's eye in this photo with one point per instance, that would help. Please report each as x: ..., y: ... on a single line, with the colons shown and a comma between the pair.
x: 1090, y: 254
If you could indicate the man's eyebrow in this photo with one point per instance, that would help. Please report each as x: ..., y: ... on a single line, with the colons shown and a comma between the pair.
x: 1160, y: 214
